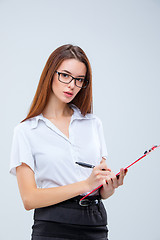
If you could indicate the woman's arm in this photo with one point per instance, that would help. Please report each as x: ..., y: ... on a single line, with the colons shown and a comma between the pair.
x: 34, y: 197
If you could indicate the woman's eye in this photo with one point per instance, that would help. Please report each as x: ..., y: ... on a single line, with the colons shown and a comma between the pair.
x: 65, y: 75
x: 80, y: 79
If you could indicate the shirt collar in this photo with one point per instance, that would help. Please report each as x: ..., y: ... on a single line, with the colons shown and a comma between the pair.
x: 76, y: 115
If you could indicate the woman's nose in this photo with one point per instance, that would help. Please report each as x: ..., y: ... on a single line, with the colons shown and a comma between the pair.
x: 72, y: 83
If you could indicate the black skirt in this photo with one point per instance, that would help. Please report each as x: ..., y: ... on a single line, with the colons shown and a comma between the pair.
x: 69, y: 220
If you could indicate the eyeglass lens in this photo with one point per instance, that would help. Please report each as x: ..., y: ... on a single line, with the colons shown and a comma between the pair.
x: 65, y: 78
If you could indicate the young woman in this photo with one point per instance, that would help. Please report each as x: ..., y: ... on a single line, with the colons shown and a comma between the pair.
x: 60, y: 130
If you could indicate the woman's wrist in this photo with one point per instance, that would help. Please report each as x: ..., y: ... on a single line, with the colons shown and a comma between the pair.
x: 87, y: 186
x: 106, y: 194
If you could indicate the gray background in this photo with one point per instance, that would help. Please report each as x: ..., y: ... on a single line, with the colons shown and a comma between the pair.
x: 121, y: 40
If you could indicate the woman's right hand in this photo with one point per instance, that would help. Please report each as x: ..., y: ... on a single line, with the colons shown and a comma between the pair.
x: 98, y: 176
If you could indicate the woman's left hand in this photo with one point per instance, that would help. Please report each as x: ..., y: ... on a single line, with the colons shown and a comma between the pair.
x: 112, y: 182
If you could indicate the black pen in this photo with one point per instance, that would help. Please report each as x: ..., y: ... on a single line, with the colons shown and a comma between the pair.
x: 85, y: 165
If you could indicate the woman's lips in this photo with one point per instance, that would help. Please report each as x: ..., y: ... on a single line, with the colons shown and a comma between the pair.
x: 68, y: 94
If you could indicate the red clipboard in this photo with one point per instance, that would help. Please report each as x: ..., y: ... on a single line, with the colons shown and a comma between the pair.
x: 145, y: 154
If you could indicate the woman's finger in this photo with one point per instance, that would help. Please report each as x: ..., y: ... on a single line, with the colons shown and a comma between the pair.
x: 103, y: 173
x: 121, y: 177
x: 102, y: 165
x: 114, y: 179
x: 125, y: 171
x: 109, y: 181
x: 103, y: 160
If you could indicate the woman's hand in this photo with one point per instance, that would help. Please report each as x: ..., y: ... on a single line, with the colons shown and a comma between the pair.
x: 98, y: 176
x: 105, y: 177
x: 112, y: 182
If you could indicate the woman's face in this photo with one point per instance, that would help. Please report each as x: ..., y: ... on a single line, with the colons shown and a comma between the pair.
x: 72, y: 67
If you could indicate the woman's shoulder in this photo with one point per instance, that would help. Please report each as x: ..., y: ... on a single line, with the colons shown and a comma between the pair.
x: 93, y: 116
x: 23, y: 126
x: 95, y: 119
x: 86, y: 116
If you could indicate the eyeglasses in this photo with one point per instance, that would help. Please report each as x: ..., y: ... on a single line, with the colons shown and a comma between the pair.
x: 67, y: 78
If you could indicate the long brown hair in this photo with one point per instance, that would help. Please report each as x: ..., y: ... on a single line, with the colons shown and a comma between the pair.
x: 83, y: 100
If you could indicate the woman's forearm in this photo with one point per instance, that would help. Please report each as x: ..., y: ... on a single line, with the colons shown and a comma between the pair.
x: 43, y: 197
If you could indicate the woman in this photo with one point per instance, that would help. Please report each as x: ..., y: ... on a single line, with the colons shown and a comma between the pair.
x: 59, y: 131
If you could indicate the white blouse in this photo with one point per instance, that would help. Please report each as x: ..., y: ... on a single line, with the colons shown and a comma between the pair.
x: 52, y: 155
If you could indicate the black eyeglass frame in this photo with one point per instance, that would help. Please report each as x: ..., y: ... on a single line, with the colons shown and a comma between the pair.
x: 73, y: 78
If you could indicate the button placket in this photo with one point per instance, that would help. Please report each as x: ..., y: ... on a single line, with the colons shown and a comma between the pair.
x: 73, y: 148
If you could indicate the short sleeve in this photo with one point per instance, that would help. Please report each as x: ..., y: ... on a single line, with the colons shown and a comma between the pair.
x: 20, y: 151
x: 103, y: 147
